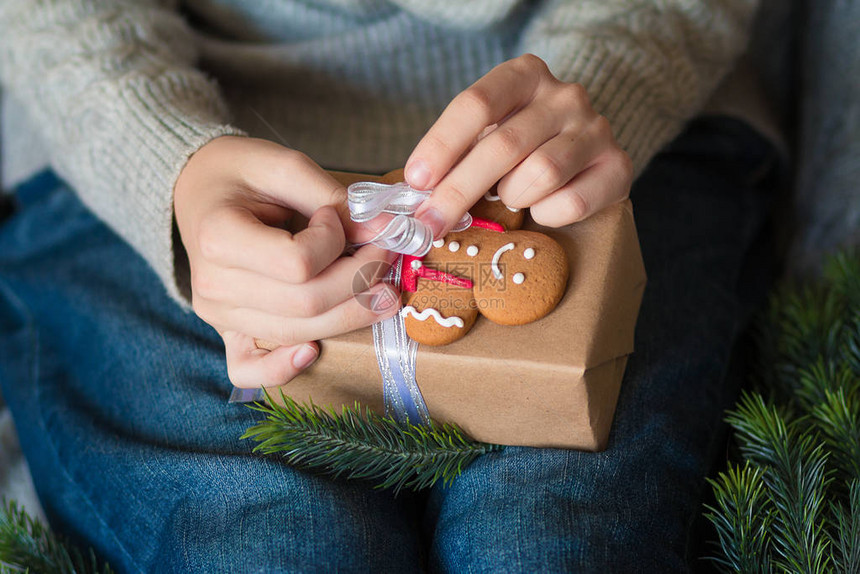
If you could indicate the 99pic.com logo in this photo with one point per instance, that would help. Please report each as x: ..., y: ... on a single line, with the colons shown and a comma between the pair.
x: 367, y: 276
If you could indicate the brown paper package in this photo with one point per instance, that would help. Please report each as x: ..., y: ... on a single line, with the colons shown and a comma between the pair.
x: 551, y: 383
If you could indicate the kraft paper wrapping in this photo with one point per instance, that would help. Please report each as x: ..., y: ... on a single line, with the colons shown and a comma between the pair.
x: 551, y: 383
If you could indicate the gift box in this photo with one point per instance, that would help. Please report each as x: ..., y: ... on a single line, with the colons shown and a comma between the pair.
x: 550, y: 383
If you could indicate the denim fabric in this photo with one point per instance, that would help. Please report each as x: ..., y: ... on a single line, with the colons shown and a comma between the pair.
x: 120, y: 399
x: 827, y: 209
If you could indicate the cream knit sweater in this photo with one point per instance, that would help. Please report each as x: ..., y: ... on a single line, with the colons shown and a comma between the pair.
x: 123, y: 91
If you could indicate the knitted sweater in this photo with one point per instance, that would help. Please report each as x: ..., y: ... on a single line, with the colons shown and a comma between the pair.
x: 123, y: 91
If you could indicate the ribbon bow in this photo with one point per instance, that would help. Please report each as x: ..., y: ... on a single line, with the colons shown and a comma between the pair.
x: 403, y: 234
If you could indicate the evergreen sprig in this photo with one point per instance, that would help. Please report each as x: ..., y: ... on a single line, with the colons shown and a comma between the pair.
x: 846, y: 534
x: 838, y: 418
x: 799, y: 436
x: 28, y: 546
x: 794, y: 474
x: 742, y: 519
x: 360, y: 444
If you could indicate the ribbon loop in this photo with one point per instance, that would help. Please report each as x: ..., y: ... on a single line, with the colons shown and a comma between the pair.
x: 403, y: 233
x: 368, y: 199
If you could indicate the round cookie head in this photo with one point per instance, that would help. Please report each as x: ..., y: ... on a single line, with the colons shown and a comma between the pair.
x: 527, y: 278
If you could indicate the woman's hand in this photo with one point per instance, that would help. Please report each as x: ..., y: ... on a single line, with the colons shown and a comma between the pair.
x: 250, y: 278
x: 538, y: 137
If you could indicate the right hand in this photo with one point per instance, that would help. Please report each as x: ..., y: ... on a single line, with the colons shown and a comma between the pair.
x: 252, y: 279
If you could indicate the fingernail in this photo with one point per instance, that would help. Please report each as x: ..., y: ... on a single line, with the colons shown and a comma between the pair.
x: 383, y: 301
x: 305, y: 356
x: 418, y: 174
x: 432, y: 219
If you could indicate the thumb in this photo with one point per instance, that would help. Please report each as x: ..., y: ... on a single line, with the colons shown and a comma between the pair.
x: 249, y: 366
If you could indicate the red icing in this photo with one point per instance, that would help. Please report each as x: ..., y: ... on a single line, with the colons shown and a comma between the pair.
x: 435, y: 275
x: 409, y: 276
x: 487, y: 224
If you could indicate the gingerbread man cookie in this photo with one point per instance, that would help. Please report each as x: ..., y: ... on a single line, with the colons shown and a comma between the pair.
x: 508, y: 275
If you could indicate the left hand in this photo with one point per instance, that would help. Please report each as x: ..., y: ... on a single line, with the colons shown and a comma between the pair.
x: 537, y: 136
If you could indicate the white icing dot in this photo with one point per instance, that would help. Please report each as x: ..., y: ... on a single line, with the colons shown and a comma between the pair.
x: 529, y: 253
x: 472, y: 250
x: 454, y: 246
x: 519, y: 278
x: 416, y: 264
x: 439, y: 243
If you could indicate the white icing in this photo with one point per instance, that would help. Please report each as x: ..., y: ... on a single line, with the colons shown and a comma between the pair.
x: 439, y: 243
x: 495, y: 263
x: 427, y: 313
x: 454, y: 246
x: 529, y: 253
x: 472, y: 250
x: 490, y: 197
x: 416, y: 264
x: 519, y: 278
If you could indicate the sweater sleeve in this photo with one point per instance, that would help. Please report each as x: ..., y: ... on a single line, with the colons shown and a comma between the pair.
x: 648, y: 66
x: 112, y: 88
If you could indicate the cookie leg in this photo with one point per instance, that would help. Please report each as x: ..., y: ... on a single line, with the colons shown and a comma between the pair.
x: 438, y: 314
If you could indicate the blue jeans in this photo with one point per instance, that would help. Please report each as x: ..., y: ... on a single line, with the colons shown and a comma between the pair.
x: 827, y: 208
x: 120, y: 400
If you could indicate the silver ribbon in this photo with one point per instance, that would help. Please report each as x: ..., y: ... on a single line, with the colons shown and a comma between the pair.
x: 395, y: 353
x: 403, y: 234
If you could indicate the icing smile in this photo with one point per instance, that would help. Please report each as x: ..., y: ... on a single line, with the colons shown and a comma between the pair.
x: 494, y: 265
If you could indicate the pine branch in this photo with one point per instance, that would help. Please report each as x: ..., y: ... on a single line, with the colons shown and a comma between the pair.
x: 842, y: 275
x: 800, y: 327
x: 796, y: 478
x: 822, y: 379
x: 850, y: 350
x: 363, y: 445
x: 28, y: 546
x: 846, y: 540
x: 838, y: 418
x: 742, y: 519
x: 803, y: 445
